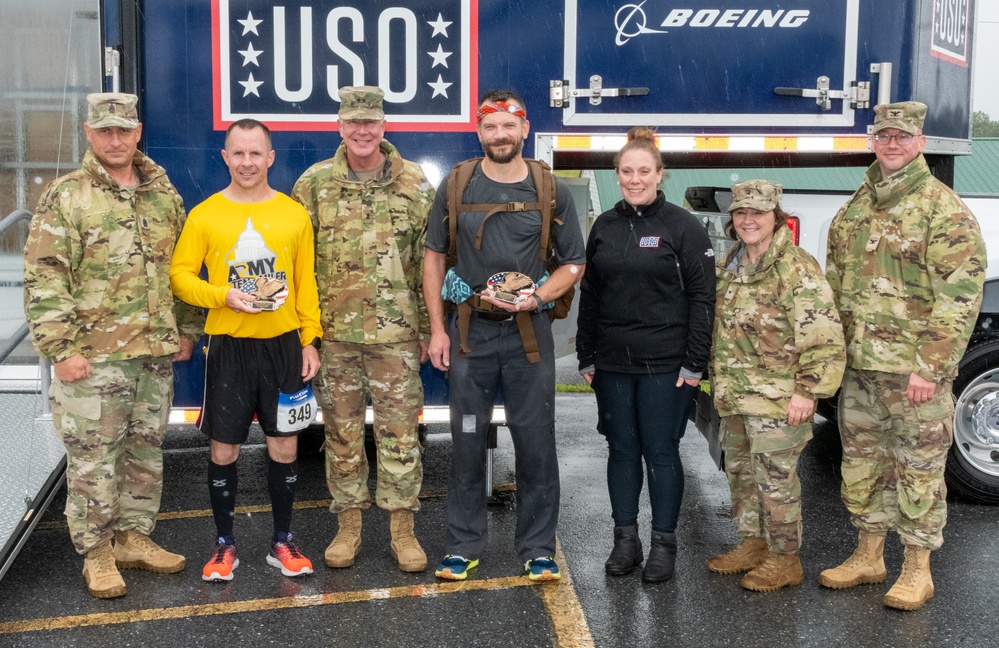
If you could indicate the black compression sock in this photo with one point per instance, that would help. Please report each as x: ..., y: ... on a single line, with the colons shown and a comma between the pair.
x: 222, y: 484
x: 282, y: 478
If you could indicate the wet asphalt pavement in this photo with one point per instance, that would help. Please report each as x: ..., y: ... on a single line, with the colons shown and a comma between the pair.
x: 43, y: 602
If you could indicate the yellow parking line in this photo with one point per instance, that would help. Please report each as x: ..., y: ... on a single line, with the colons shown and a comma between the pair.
x: 570, y: 628
x: 240, y: 510
x: 569, y: 625
x: 258, y: 605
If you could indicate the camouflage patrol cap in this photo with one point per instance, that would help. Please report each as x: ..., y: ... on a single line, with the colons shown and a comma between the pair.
x: 906, y: 116
x: 112, y: 109
x: 756, y: 194
x: 361, y: 102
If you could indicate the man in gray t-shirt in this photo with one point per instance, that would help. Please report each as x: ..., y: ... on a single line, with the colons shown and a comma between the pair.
x: 496, y: 355
x: 510, y: 240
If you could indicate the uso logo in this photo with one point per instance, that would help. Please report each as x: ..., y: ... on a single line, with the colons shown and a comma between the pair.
x: 283, y: 61
x: 950, y: 30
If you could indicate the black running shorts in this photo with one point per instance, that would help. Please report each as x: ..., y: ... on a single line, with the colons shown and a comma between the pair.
x: 243, y: 377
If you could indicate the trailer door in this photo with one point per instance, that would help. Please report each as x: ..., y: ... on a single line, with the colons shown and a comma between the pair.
x: 711, y: 64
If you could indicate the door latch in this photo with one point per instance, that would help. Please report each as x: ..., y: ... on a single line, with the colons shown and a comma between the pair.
x: 859, y: 93
x: 560, y: 93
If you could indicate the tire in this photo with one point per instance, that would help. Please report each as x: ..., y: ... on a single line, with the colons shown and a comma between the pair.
x: 828, y: 408
x: 311, y: 441
x: 973, y: 460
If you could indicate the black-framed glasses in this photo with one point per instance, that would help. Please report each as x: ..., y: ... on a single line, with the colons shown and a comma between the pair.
x: 903, y: 139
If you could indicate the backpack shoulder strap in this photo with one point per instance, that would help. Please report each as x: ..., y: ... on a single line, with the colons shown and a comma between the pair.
x: 544, y: 184
x: 458, y: 179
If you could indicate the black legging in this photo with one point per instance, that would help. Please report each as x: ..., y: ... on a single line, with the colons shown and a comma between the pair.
x: 643, y: 416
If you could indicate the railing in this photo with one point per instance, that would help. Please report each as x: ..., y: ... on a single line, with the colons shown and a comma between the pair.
x: 15, y: 217
x: 38, y: 480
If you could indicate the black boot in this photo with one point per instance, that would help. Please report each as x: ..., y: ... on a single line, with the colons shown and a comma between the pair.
x: 662, y: 557
x: 627, y: 552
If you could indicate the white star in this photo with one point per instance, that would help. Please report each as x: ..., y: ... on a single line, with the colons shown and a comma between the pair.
x: 440, y: 26
x: 250, y: 55
x: 250, y: 86
x: 250, y: 24
x: 440, y: 56
x: 440, y: 87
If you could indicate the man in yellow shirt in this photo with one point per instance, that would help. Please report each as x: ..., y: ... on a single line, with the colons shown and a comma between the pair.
x: 263, y: 323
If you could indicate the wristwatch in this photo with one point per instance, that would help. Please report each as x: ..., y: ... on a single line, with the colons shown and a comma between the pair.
x: 317, y: 342
x: 541, y: 304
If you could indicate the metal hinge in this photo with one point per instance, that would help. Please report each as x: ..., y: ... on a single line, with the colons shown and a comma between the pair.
x: 112, y: 60
x: 859, y: 94
x: 112, y: 67
x: 560, y: 93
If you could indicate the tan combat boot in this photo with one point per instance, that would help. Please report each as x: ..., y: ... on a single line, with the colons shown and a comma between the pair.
x: 866, y: 565
x: 915, y: 586
x: 347, y: 543
x: 777, y: 571
x: 405, y: 548
x: 100, y: 574
x: 750, y: 554
x: 134, y: 550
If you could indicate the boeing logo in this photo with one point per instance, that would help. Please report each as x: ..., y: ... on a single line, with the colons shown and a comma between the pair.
x: 630, y: 20
x: 631, y: 16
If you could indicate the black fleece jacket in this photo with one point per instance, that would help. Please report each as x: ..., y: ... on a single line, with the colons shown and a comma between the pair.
x: 648, y: 296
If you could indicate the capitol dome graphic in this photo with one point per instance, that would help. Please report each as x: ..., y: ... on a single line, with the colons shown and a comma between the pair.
x: 250, y: 246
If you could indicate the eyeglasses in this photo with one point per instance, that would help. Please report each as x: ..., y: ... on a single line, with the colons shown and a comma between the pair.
x: 903, y: 139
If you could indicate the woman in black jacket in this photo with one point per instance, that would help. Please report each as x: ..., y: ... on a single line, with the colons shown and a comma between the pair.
x: 643, y: 340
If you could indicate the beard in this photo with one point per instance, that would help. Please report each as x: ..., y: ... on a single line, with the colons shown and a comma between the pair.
x: 515, y: 150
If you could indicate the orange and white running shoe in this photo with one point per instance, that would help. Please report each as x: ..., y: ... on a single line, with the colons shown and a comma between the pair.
x: 223, y: 561
x: 286, y: 556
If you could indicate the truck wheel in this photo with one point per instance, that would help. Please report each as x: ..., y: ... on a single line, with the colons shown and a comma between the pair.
x: 827, y: 408
x: 973, y: 461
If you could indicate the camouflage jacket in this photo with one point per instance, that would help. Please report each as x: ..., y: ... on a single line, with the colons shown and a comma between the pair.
x: 906, y: 261
x: 776, y: 332
x: 369, y: 247
x: 97, y: 267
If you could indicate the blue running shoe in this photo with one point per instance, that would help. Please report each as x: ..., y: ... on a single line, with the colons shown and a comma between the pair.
x: 454, y: 567
x: 542, y: 569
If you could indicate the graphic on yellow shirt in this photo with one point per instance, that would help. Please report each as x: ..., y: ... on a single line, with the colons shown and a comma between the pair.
x: 252, y: 270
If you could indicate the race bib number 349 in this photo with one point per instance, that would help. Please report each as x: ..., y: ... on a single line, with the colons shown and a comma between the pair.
x: 296, y: 411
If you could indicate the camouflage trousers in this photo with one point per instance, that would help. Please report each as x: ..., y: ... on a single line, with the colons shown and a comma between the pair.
x: 894, y: 456
x: 389, y: 375
x: 761, y: 463
x: 112, y: 424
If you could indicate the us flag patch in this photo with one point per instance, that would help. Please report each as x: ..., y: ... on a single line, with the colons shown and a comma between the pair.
x: 649, y: 242
x: 284, y: 61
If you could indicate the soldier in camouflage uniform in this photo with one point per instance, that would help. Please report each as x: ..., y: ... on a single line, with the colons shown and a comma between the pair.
x: 369, y: 210
x: 98, y: 301
x: 778, y: 346
x: 906, y: 261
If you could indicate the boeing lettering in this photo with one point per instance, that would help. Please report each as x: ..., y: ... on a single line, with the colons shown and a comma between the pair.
x: 736, y: 18
x: 630, y: 20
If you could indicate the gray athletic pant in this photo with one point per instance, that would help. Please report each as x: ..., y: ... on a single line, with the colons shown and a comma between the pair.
x: 497, y: 358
